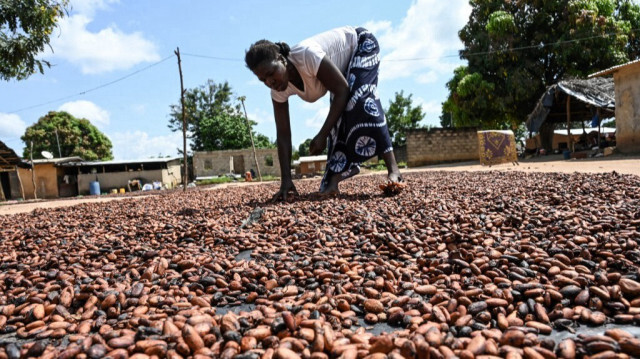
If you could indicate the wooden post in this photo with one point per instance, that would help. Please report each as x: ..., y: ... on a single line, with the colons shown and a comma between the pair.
x: 185, y: 177
x: 255, y: 157
x: 599, y: 122
x: 2, y: 197
x: 20, y: 182
x: 570, y: 144
x: 33, y: 173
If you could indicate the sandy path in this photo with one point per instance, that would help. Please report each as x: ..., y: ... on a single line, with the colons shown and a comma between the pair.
x: 620, y: 164
x: 14, y: 208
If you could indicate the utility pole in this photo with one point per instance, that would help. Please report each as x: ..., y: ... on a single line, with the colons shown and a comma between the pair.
x: 185, y: 177
x: 33, y: 172
x: 255, y: 157
x: 58, y: 141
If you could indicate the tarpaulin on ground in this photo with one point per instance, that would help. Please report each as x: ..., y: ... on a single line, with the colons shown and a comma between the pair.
x: 497, y: 147
x: 593, y: 93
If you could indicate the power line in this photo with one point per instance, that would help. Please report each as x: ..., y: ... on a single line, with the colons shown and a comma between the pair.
x: 491, y: 52
x: 94, y: 88
x: 213, y: 57
x: 480, y: 53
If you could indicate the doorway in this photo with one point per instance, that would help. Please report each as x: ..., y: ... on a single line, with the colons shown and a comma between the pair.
x: 6, y: 185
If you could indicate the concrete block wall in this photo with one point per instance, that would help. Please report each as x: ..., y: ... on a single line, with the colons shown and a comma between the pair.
x: 441, y: 145
x: 216, y: 163
x: 400, y: 153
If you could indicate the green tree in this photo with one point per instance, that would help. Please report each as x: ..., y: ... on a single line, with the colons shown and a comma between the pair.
x: 25, y: 30
x: 214, y: 122
x: 262, y: 141
x: 76, y: 137
x: 402, y: 116
x: 303, y: 149
x: 515, y: 49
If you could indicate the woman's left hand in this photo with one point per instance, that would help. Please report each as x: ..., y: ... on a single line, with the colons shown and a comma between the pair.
x: 317, y: 145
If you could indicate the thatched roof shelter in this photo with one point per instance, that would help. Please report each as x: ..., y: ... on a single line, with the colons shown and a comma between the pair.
x: 574, y: 100
x: 9, y: 159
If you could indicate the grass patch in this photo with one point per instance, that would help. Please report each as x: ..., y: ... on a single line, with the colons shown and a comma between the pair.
x: 266, y: 178
x: 214, y: 181
x: 381, y: 166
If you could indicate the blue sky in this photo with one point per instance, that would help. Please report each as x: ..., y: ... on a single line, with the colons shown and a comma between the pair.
x: 102, y: 41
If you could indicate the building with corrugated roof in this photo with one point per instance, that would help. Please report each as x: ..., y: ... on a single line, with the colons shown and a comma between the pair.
x: 117, y: 175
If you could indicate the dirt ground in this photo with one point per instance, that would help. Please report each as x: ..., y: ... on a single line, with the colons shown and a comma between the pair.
x: 555, y: 163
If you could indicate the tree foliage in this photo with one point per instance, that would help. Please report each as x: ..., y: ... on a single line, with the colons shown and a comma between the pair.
x: 214, y: 122
x: 25, y: 29
x: 303, y: 148
x: 515, y: 49
x: 77, y: 137
x: 402, y: 116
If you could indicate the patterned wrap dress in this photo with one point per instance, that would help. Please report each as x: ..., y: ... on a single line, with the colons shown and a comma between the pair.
x: 361, y: 133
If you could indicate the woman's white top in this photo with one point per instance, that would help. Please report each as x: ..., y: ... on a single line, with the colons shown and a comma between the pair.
x: 337, y: 44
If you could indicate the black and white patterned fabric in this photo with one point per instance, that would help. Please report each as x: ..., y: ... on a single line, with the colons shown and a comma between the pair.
x: 361, y: 133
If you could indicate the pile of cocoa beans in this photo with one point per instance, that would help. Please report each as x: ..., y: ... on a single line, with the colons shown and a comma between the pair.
x: 458, y: 265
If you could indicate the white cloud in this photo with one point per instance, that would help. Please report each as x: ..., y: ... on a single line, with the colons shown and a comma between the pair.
x: 261, y: 116
x: 134, y: 145
x: 107, y: 49
x: 318, y: 118
x: 320, y: 104
x: 139, y: 108
x: 88, y: 110
x: 320, y: 110
x: 431, y: 109
x: 428, y: 107
x: 417, y: 47
x: 89, y: 7
x: 427, y: 78
x: 11, y: 126
x: 378, y: 27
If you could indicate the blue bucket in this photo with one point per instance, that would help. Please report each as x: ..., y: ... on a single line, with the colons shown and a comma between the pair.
x: 566, y: 154
x: 94, y: 188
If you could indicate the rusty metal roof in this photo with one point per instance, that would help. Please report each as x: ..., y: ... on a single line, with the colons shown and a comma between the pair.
x: 613, y: 69
x: 57, y: 161
x: 9, y: 159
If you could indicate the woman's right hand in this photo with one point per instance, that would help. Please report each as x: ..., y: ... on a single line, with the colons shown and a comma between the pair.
x: 286, y: 188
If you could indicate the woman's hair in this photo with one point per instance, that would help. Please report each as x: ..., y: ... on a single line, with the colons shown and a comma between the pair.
x: 264, y: 50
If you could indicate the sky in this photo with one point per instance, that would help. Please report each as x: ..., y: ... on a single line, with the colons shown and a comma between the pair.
x: 113, y: 62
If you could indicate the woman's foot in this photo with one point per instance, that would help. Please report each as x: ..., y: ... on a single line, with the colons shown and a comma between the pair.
x: 327, y: 193
x: 331, y: 189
